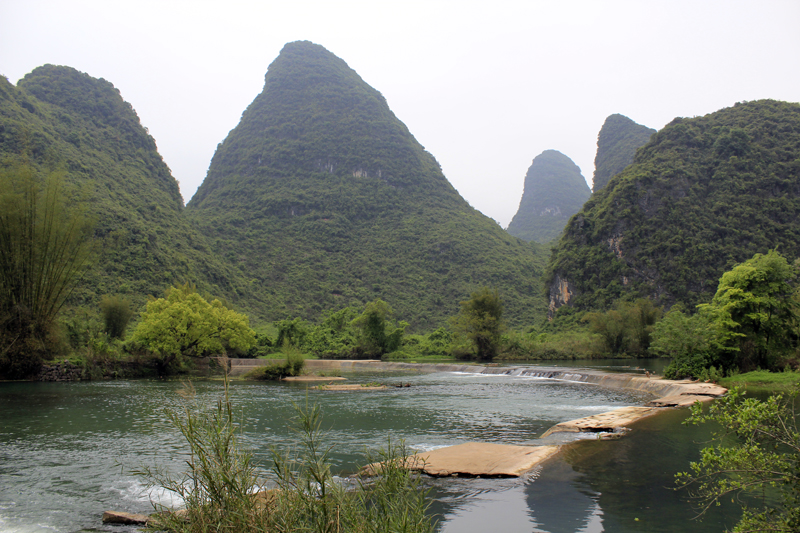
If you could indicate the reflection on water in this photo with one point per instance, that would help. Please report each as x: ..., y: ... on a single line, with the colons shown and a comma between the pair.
x: 62, y: 444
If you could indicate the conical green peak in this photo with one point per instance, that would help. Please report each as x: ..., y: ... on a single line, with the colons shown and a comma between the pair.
x: 324, y: 199
x: 60, y: 117
x: 317, y: 117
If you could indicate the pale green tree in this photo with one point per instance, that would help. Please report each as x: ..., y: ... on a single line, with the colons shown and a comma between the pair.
x: 183, y: 323
x: 751, y: 322
x: 756, y: 311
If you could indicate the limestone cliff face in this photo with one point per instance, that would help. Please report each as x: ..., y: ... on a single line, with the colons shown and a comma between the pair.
x: 554, y: 191
x: 560, y: 294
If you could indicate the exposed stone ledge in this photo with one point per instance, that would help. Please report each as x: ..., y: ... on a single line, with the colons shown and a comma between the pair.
x: 604, y: 422
x: 313, y: 378
x: 476, y: 459
x: 350, y: 387
x: 117, y: 517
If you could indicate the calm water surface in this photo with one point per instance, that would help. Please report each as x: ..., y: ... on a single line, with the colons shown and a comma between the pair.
x: 66, y: 449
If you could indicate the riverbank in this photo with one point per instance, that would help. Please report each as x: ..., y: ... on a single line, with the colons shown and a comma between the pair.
x: 762, y: 381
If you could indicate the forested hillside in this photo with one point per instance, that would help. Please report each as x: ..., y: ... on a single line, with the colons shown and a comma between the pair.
x: 617, y: 142
x: 554, y: 190
x: 703, y: 195
x: 324, y: 199
x: 60, y: 119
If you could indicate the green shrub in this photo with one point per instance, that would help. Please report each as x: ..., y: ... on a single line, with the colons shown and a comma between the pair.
x: 292, y: 366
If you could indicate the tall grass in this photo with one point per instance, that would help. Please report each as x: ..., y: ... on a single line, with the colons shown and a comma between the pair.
x: 224, y: 493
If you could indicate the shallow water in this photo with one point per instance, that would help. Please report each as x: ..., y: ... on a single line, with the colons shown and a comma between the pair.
x: 66, y: 449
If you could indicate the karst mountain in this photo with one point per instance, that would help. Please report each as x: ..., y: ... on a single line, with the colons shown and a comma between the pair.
x: 554, y: 190
x: 323, y: 199
x: 60, y: 119
x: 617, y: 142
x: 702, y: 195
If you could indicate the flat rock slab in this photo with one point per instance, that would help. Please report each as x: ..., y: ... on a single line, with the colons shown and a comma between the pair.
x: 690, y: 392
x: 116, y: 517
x: 481, y: 459
x: 605, y: 421
x: 313, y: 378
x: 349, y: 387
x: 679, y: 400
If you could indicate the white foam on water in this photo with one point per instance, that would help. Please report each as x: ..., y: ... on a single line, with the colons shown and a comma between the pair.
x: 461, y: 373
x: 425, y: 447
x: 596, y: 407
x: 132, y: 490
x: 11, y: 525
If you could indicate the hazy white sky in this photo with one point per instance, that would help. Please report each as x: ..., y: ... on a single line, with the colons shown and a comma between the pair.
x: 484, y: 86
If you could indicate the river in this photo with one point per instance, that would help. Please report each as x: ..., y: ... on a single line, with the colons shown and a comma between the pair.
x: 67, y: 449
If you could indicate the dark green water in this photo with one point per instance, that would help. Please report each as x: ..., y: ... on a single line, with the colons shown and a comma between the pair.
x: 66, y: 449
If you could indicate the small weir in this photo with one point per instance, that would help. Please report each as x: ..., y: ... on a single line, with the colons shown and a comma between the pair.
x: 671, y: 393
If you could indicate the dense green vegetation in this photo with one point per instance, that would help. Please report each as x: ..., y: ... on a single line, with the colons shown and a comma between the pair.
x: 703, y: 195
x: 554, y: 190
x: 325, y: 200
x: 755, y: 460
x: 627, y: 327
x: 60, y: 119
x: 752, y: 322
x: 617, y: 142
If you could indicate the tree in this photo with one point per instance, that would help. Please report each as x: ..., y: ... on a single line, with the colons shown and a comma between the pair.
x: 377, y: 333
x: 481, y: 321
x: 185, y: 324
x: 757, y: 311
x: 763, y: 458
x: 688, y: 339
x: 751, y: 322
x: 627, y: 327
x: 117, y: 313
x: 45, y: 246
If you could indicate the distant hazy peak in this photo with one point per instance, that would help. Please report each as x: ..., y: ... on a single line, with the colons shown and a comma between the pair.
x: 554, y: 190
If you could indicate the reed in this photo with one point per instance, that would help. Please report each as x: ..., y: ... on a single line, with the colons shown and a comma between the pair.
x: 223, y: 492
